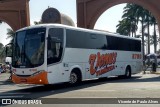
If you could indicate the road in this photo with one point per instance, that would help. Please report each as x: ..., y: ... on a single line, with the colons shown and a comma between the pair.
x: 139, y: 86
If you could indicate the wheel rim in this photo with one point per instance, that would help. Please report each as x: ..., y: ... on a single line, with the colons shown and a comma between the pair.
x: 73, y: 78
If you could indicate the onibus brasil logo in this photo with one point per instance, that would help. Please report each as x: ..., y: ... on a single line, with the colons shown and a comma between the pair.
x: 101, y: 64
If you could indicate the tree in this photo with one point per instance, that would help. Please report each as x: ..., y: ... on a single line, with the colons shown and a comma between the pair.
x: 129, y: 15
x: 1, y: 46
x: 37, y: 22
x: 154, y: 23
x: 10, y: 34
x: 147, y: 19
x: 133, y: 15
x: 139, y: 14
x: 2, y: 54
x: 123, y: 27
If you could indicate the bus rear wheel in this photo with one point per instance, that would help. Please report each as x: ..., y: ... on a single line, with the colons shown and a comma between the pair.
x: 128, y: 72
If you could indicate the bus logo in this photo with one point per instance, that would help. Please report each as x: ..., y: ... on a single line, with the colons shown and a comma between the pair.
x: 101, y: 64
x: 136, y: 56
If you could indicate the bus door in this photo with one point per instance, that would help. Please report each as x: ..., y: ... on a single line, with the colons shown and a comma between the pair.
x: 54, y: 51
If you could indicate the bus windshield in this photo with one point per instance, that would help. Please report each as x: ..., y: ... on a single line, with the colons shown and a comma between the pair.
x: 28, y: 48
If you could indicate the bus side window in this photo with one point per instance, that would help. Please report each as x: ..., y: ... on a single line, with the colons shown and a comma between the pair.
x: 55, y: 45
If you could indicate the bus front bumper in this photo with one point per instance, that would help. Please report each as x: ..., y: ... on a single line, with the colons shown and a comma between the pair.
x: 40, y: 78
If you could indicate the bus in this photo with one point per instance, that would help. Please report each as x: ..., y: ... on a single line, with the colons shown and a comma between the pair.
x: 54, y: 53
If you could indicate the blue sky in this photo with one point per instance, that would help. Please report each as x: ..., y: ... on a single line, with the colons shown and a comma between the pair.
x: 107, y: 21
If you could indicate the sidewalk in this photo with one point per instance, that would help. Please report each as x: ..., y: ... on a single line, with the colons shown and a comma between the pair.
x: 4, y: 77
x: 149, y: 71
x: 157, y: 72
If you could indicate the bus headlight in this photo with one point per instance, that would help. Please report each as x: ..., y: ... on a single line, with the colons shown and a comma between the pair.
x: 13, y: 73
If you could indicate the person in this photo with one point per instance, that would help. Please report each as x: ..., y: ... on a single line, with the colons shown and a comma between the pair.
x: 50, y: 54
x: 154, y: 64
x: 50, y: 57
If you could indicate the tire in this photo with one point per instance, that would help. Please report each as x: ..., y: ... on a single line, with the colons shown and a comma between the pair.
x: 153, y: 67
x: 128, y: 72
x: 74, y: 78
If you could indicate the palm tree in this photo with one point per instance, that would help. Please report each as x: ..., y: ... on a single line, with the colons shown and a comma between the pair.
x: 134, y: 14
x: 147, y: 20
x: 1, y: 46
x: 129, y: 14
x: 154, y: 23
x: 151, y: 21
x: 10, y: 34
x: 139, y: 13
x: 123, y: 27
x: 1, y: 52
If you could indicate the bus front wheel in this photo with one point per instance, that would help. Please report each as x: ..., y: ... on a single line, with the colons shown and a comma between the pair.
x: 74, y: 77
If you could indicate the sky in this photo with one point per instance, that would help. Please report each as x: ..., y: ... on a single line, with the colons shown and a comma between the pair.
x: 107, y: 21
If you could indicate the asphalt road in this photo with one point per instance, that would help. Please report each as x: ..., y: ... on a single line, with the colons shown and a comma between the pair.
x: 139, y: 86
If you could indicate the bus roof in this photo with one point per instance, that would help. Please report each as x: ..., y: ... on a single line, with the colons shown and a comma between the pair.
x: 79, y: 29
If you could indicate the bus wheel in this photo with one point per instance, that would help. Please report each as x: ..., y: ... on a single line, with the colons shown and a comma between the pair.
x: 74, y: 78
x: 128, y: 72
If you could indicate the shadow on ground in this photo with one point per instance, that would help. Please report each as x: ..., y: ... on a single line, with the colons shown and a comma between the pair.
x: 42, y: 91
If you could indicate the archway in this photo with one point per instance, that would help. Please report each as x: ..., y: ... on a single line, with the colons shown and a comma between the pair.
x: 5, y: 30
x: 6, y: 37
x: 15, y: 13
x: 88, y: 11
x: 111, y: 21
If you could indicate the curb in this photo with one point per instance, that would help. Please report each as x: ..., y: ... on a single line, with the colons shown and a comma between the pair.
x: 155, y: 72
x: 150, y: 72
x: 7, y: 81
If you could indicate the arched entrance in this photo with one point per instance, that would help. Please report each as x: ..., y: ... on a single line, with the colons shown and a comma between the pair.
x: 15, y: 13
x: 88, y: 11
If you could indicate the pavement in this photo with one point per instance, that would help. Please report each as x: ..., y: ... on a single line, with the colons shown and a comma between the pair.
x: 149, y: 71
x: 4, y: 77
x: 140, y: 86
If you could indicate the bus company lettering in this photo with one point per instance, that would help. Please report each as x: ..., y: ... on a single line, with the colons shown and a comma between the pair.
x: 136, y: 56
x: 101, y: 64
